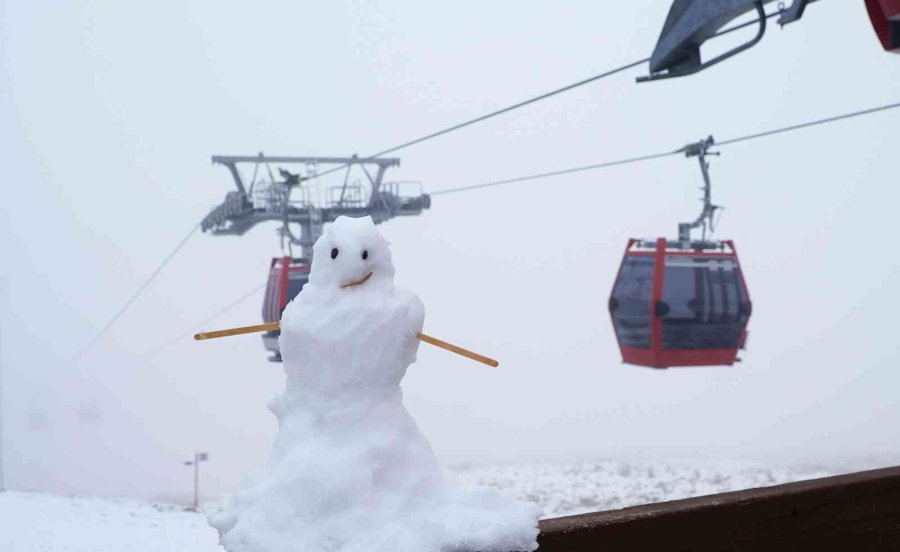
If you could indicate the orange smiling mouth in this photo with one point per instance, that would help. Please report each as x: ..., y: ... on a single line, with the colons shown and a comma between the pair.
x: 359, y: 282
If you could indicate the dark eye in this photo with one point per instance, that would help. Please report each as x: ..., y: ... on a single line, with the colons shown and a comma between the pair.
x: 334, y: 253
x: 365, y: 254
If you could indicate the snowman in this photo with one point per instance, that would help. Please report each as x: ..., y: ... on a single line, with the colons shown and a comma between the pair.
x: 350, y: 471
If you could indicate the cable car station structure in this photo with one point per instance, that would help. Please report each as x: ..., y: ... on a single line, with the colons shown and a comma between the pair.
x: 300, y: 200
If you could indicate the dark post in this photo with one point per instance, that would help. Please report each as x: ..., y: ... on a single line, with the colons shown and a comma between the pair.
x: 198, y: 457
x: 196, y: 481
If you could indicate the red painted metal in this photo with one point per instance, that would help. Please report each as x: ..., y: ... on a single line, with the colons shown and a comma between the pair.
x: 885, y: 17
x: 659, y: 267
x: 672, y: 358
x: 269, y: 309
x: 283, y: 283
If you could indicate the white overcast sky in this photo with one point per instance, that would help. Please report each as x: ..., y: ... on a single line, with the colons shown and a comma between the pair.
x: 110, y: 111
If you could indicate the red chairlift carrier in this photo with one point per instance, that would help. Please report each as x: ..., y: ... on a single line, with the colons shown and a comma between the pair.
x: 684, y: 302
x: 287, y: 276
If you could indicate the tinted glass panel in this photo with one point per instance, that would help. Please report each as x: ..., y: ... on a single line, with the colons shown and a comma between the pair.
x: 295, y: 284
x: 270, y: 302
x: 631, y: 302
x: 704, y: 296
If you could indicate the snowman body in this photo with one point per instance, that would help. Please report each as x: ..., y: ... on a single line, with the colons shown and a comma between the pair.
x: 350, y: 470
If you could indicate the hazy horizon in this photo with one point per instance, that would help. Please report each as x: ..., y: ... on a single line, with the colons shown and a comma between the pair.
x: 111, y: 113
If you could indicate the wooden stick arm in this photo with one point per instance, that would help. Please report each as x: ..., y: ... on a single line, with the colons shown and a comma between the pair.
x: 274, y: 326
x: 458, y: 350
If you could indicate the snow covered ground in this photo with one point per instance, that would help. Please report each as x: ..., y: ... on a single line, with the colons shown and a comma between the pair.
x: 568, y: 488
x: 50, y: 523
x: 36, y: 522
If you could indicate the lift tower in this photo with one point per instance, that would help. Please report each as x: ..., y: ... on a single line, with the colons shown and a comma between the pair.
x: 299, y: 199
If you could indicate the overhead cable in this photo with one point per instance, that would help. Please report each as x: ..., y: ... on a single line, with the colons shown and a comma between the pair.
x: 808, y: 124
x: 649, y: 157
x: 529, y: 101
x: 135, y: 295
x: 207, y: 320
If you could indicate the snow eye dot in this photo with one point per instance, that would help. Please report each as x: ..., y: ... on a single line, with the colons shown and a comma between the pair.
x: 365, y: 254
x: 334, y: 253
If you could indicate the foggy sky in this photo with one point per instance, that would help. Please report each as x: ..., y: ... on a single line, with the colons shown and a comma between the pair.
x: 109, y: 115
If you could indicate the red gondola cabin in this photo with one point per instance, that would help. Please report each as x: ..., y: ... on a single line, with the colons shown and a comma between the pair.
x: 885, y: 17
x: 680, y: 305
x: 287, y: 276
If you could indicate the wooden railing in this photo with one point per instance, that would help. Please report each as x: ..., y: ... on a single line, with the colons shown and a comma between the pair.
x: 854, y: 512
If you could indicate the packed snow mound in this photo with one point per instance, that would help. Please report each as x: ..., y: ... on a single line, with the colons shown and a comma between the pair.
x: 350, y: 470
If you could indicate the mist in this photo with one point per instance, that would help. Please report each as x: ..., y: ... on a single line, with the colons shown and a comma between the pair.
x: 110, y: 113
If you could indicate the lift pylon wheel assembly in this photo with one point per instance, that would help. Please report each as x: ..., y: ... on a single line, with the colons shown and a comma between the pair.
x: 295, y: 199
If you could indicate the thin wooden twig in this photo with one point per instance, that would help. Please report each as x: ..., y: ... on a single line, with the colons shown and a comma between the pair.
x: 274, y: 326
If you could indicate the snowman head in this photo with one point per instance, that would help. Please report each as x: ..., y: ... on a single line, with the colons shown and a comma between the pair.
x: 351, y: 255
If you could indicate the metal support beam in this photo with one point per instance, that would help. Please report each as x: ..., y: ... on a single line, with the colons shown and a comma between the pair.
x: 793, y: 13
x: 689, y: 24
x: 276, y: 200
x: 376, y: 199
x: 706, y: 219
x: 237, y: 177
x: 226, y: 159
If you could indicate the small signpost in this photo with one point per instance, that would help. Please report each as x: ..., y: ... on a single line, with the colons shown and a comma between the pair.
x: 198, y: 457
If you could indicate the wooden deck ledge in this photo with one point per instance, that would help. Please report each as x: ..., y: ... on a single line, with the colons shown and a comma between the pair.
x: 857, y: 511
